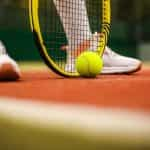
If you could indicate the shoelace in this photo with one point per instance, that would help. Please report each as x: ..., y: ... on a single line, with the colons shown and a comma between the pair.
x: 108, y: 51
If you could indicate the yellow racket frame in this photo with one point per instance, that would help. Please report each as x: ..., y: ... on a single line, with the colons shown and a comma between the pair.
x: 35, y: 27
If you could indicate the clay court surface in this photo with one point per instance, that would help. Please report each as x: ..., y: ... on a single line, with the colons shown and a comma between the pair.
x: 117, y: 91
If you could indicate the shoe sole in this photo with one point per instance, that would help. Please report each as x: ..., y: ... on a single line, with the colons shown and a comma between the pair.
x: 121, y: 71
x: 8, y: 73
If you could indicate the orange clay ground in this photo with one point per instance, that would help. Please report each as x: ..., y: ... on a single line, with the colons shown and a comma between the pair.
x: 121, y: 91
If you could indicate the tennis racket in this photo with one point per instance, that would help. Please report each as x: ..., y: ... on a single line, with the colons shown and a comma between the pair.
x: 63, y: 29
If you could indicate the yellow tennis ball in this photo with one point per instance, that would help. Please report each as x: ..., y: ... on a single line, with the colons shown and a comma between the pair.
x: 89, y: 64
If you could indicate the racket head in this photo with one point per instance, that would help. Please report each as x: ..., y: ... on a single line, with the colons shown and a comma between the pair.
x: 51, y: 38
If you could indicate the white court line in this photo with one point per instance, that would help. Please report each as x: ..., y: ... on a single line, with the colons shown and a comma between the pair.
x: 83, y: 119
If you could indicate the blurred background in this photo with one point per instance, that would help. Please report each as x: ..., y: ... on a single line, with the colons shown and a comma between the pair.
x: 129, y: 34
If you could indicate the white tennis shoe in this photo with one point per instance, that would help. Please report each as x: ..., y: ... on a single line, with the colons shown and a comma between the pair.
x: 118, y: 64
x: 9, y: 70
x: 113, y: 63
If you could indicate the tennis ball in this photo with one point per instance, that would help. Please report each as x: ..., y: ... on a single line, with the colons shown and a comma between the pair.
x: 89, y: 64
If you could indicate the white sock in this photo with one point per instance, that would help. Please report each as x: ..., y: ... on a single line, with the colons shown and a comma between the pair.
x: 2, y: 48
x: 75, y: 21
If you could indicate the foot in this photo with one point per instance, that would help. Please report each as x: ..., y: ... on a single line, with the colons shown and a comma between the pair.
x: 113, y: 63
x: 9, y: 70
x: 117, y: 64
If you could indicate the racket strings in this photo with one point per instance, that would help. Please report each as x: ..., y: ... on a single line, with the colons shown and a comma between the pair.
x: 69, y: 28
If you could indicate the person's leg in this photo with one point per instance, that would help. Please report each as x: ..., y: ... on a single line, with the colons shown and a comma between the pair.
x: 9, y: 69
x: 74, y: 17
